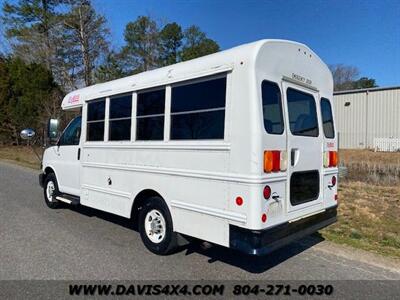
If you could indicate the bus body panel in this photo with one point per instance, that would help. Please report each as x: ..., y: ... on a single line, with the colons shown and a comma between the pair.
x: 200, y: 180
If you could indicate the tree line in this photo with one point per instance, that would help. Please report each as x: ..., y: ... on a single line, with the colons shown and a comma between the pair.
x: 55, y: 46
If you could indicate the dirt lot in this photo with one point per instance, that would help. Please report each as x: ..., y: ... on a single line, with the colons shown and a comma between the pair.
x: 369, y: 218
x: 21, y: 155
x: 369, y: 202
x: 369, y: 156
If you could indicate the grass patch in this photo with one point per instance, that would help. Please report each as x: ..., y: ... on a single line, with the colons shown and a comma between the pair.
x: 380, y: 168
x: 20, y: 155
x: 368, y: 218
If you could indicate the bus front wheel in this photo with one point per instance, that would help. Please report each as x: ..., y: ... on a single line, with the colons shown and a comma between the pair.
x: 50, y: 188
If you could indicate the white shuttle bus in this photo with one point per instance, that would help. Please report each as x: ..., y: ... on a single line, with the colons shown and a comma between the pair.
x: 237, y: 148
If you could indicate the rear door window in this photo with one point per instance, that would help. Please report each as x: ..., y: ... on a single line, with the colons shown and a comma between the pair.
x: 302, y: 113
x: 327, y: 118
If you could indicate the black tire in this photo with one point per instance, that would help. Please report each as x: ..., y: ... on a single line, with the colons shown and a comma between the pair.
x: 51, y: 203
x: 169, y: 241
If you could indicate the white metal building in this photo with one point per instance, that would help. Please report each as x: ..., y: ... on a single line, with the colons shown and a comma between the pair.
x: 368, y: 118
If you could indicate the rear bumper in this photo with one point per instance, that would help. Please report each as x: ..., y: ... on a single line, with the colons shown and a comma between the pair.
x: 261, y: 242
x: 41, y: 179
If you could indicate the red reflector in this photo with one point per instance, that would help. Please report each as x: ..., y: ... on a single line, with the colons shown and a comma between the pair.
x: 336, y: 197
x: 276, y: 161
x: 333, y: 180
x: 239, y: 201
x: 267, y: 192
x: 264, y: 218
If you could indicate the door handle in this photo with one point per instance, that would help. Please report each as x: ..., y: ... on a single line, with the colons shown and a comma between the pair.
x: 79, y: 153
x: 294, y: 157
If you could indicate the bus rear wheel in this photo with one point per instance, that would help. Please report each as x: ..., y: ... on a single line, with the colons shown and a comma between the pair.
x: 155, y: 227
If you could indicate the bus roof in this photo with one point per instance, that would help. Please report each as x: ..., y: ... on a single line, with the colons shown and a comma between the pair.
x: 219, y: 62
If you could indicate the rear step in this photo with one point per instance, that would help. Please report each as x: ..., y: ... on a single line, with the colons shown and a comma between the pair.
x: 73, y: 200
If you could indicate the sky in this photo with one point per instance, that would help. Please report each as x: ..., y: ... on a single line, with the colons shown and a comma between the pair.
x: 365, y: 34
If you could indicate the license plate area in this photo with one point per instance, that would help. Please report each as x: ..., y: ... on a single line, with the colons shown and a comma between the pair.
x: 304, y: 187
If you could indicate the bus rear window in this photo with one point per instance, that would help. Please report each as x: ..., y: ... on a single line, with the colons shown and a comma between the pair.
x: 272, y: 107
x: 327, y: 118
x: 302, y: 113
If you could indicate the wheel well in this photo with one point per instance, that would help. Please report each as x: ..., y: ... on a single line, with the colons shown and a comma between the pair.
x: 48, y: 171
x: 139, y: 201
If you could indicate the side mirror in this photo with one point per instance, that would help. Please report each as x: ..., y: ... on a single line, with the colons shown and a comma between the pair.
x: 52, y: 130
x: 27, y: 134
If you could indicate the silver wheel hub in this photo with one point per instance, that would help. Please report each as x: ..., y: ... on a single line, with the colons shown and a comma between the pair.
x: 155, y: 226
x: 50, y: 190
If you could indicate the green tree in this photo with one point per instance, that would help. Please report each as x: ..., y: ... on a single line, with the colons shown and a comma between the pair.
x: 347, y: 78
x: 365, y: 82
x: 171, y: 41
x: 142, y: 44
x: 197, y: 44
x: 112, y: 68
x: 26, y: 97
x: 67, y: 36
x: 32, y: 28
x: 87, y: 34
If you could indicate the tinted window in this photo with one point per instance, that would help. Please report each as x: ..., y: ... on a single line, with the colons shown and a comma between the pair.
x: 120, y: 118
x: 72, y: 133
x: 95, y: 131
x: 327, y: 118
x: 121, y: 107
x: 96, y: 110
x: 304, y: 187
x: 272, y: 108
x: 302, y: 113
x: 150, y: 115
x: 150, y: 128
x: 198, y: 110
x: 151, y: 103
x: 95, y: 120
x: 202, y: 95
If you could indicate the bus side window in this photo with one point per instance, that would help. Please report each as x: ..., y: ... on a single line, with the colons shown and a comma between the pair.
x: 150, y: 115
x: 120, y: 118
x: 327, y: 118
x: 198, y: 110
x: 95, y: 120
x: 272, y: 107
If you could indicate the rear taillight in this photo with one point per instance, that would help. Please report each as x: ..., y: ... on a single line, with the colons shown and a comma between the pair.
x: 275, y: 161
x: 331, y: 159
